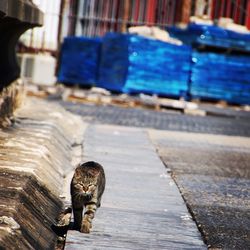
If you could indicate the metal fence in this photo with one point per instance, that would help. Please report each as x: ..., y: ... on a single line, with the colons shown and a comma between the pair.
x: 238, y: 10
x: 96, y: 17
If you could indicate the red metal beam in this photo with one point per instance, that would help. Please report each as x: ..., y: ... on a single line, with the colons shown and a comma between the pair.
x: 216, y: 9
x: 247, y: 22
x: 137, y: 9
x: 151, y: 7
x: 213, y: 9
x: 125, y: 16
x: 229, y: 8
x: 222, y: 7
x: 184, y: 8
x: 164, y: 12
x: 236, y: 14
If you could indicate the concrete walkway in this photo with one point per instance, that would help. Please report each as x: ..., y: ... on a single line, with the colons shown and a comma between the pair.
x: 141, y: 207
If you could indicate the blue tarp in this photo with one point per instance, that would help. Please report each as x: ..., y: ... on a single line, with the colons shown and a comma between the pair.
x: 220, y: 76
x: 135, y: 64
x: 211, y: 35
x: 79, y: 60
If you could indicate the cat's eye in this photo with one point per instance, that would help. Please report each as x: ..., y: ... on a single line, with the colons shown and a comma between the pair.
x: 78, y: 185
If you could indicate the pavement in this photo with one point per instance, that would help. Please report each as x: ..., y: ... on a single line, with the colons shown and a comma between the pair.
x: 142, y: 207
x: 213, y: 175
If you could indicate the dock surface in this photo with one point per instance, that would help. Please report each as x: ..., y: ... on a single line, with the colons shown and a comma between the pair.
x: 141, y: 207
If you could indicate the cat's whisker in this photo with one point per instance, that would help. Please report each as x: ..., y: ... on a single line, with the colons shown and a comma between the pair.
x: 78, y: 196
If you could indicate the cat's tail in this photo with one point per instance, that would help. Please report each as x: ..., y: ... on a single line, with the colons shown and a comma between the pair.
x: 62, y: 224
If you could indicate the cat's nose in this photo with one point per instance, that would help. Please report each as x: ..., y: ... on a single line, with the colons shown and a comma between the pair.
x: 89, y: 196
x: 85, y: 192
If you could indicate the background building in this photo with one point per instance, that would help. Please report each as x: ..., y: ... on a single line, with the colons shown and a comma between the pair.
x: 96, y: 17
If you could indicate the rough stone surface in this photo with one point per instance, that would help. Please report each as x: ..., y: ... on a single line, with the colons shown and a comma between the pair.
x: 36, y: 156
x: 141, y: 207
x: 213, y: 175
x: 28, y: 204
x: 11, y: 98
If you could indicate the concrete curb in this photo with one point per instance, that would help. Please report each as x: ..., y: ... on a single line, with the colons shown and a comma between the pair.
x: 36, y: 157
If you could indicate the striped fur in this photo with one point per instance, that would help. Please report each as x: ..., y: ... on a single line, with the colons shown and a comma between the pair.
x: 87, y: 187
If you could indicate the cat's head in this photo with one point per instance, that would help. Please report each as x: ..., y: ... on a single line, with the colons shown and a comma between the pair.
x: 85, y: 184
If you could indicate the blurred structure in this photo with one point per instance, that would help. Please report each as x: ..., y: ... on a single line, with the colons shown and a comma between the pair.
x: 43, y: 39
x: 15, y: 18
x: 40, y: 68
x: 96, y: 17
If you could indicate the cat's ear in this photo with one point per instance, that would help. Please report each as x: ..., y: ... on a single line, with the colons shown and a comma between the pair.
x: 77, y: 171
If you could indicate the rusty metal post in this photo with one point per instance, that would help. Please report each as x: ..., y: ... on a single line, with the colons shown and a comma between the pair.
x: 185, y: 11
x: 72, y: 17
x: 125, y: 16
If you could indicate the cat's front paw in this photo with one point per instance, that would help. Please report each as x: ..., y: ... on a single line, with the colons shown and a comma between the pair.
x: 85, y: 227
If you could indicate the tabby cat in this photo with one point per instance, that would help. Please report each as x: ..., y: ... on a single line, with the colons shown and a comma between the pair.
x: 87, y: 187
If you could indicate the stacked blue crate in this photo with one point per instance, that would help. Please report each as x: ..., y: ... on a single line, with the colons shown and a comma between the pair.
x: 219, y: 76
x: 114, y: 62
x: 79, y: 60
x: 135, y: 64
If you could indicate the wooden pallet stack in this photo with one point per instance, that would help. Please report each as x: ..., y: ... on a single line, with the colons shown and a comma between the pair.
x: 221, y: 63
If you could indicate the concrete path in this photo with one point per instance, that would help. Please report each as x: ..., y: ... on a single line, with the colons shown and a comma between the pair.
x: 141, y: 207
x: 213, y: 173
